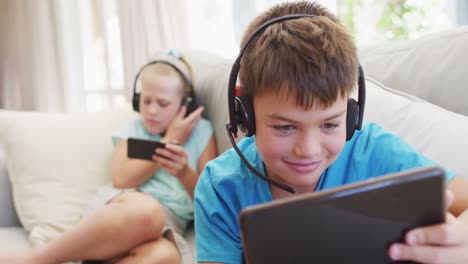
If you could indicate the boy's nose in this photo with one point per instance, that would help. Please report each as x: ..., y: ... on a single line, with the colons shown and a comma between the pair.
x: 308, y: 146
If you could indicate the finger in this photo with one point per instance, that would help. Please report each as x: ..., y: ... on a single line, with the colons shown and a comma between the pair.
x: 169, y: 165
x: 173, y: 152
x: 165, y: 163
x: 175, y: 148
x: 167, y: 154
x: 195, y: 114
x: 449, y: 198
x: 182, y: 112
x: 443, y: 234
x: 425, y: 254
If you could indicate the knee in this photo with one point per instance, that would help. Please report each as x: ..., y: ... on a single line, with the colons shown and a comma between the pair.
x: 165, y: 252
x: 143, y: 214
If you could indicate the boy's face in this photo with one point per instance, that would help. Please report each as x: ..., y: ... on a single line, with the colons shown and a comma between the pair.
x: 160, y: 102
x: 298, y: 145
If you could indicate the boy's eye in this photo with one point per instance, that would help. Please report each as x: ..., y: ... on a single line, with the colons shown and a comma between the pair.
x: 329, y: 126
x: 146, y: 101
x: 285, y: 129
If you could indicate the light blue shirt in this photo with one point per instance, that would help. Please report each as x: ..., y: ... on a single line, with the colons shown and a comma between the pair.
x: 164, y: 187
x: 227, y: 186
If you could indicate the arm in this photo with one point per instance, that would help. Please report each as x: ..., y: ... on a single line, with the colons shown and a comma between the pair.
x: 216, y: 217
x: 177, y: 164
x: 444, y: 243
x: 129, y: 173
x: 459, y: 187
x: 208, y: 154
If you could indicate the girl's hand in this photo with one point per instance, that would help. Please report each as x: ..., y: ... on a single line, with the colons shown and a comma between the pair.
x: 180, y: 128
x: 173, y: 158
x: 443, y: 243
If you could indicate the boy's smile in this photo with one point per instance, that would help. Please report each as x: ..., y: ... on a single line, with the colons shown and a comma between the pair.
x: 295, y: 144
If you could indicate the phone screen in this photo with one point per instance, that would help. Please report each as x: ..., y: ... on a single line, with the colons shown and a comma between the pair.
x: 142, y: 148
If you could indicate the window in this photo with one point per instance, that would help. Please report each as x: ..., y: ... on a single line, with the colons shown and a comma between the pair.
x: 102, y: 62
x: 217, y: 27
x: 373, y: 21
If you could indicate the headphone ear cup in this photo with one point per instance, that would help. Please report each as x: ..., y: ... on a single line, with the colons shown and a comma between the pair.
x: 189, y: 102
x: 136, y: 102
x: 245, y: 115
x: 351, y: 118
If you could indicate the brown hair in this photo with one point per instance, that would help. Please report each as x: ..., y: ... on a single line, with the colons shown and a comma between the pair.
x: 314, y: 58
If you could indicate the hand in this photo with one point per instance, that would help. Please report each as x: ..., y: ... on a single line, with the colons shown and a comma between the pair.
x: 173, y: 158
x: 443, y: 243
x: 181, y: 128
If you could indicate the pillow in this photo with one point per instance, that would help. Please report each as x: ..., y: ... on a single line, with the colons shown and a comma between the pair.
x: 211, y: 75
x: 431, y: 67
x: 56, y: 162
x: 439, y: 134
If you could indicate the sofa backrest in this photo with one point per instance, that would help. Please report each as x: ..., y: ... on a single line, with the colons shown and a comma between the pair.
x: 432, y: 67
x: 8, y: 215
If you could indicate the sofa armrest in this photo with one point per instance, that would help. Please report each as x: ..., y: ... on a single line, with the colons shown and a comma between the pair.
x: 8, y: 215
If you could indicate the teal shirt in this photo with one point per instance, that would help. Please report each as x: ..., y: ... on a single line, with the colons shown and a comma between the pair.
x: 164, y: 187
x: 227, y: 186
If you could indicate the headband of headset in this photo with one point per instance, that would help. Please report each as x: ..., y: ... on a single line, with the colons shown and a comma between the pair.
x: 172, y: 59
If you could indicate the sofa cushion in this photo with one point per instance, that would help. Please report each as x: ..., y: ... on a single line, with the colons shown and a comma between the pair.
x: 8, y: 215
x: 437, y: 133
x: 432, y: 67
x: 13, y: 238
x: 211, y: 74
x: 56, y: 162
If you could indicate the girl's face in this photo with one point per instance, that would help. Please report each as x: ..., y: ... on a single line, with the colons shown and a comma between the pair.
x: 160, y: 101
x: 297, y: 145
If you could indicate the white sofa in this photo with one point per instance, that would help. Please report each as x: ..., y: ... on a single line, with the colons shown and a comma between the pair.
x: 52, y: 163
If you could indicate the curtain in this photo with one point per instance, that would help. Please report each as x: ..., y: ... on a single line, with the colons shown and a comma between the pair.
x: 147, y: 26
x: 28, y: 56
x: 45, y: 49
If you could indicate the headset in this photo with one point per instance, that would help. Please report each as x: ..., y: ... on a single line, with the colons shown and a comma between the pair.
x: 174, y: 60
x: 241, y: 110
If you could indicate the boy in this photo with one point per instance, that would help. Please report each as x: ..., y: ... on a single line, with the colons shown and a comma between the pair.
x: 299, y: 74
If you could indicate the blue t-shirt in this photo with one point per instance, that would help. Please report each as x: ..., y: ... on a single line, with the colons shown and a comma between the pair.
x: 227, y: 186
x: 166, y: 188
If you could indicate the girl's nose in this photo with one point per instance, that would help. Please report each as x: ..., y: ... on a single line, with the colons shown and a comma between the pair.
x: 153, y: 108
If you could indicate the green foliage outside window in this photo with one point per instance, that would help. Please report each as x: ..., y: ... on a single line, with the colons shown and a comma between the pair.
x: 399, y: 19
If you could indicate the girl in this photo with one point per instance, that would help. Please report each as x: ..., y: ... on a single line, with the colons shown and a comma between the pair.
x: 142, y: 217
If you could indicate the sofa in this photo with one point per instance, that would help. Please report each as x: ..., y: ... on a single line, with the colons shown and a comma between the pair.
x: 51, y: 164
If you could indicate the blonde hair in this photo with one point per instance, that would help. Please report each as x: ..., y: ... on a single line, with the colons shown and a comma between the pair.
x: 165, y: 69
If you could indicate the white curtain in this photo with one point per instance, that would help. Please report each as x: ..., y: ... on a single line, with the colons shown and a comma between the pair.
x: 29, y: 72
x: 44, y: 51
x: 149, y: 25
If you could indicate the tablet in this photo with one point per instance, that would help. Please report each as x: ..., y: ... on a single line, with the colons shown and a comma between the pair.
x: 353, y: 223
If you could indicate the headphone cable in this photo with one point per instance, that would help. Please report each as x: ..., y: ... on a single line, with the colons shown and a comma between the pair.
x: 252, y: 169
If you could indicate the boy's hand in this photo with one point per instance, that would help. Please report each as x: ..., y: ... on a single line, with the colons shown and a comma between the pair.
x: 173, y: 158
x: 181, y: 128
x: 444, y: 243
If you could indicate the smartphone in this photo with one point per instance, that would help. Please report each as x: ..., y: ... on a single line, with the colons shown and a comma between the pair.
x: 142, y: 148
